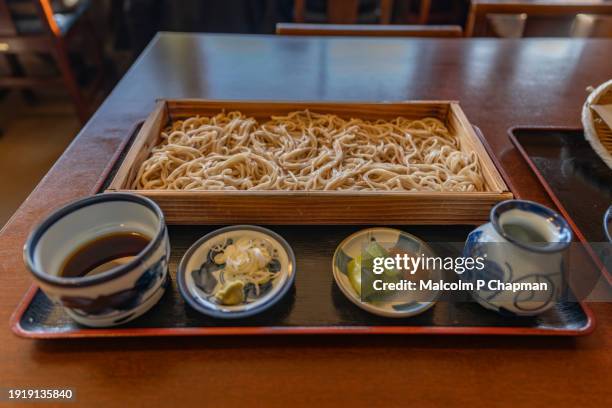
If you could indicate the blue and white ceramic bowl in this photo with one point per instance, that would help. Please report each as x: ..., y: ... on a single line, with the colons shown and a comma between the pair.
x: 519, y: 261
x: 117, y: 295
x: 199, y: 277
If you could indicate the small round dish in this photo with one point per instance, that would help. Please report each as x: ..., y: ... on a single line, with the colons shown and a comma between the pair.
x: 400, y: 304
x: 200, y: 277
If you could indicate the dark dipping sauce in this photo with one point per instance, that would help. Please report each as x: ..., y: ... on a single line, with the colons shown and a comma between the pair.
x: 103, y: 254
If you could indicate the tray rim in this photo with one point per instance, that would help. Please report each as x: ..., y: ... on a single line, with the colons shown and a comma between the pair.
x: 549, y: 191
x: 117, y: 332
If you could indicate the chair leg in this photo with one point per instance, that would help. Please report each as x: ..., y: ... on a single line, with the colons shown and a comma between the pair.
x: 299, y: 9
x: 70, y: 80
x: 17, y: 70
x: 97, y: 45
x: 3, y: 93
x: 106, y: 69
x: 424, y: 12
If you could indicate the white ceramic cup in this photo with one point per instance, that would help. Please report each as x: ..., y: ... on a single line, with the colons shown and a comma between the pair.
x: 117, y: 295
x: 513, y: 261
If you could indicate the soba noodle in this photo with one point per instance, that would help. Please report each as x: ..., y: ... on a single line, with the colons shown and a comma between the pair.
x: 308, y: 151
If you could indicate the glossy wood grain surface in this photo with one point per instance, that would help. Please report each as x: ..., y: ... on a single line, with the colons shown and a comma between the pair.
x: 498, y: 83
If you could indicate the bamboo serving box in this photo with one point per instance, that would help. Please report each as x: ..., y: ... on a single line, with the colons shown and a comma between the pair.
x: 596, y: 131
x: 316, y: 207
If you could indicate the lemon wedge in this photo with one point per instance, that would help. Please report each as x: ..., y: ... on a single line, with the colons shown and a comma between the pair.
x: 354, y: 274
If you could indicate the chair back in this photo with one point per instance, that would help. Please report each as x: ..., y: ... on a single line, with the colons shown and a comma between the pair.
x: 507, y: 25
x: 15, y: 14
x: 7, y: 26
x: 592, y: 25
x: 540, y: 18
x: 344, y: 11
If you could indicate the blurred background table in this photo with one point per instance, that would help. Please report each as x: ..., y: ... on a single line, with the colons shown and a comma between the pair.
x: 499, y: 83
x: 536, y: 18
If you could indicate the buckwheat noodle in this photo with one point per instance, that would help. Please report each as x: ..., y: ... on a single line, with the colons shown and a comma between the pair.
x: 307, y: 151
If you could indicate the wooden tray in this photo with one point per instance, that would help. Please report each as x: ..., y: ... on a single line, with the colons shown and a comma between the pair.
x: 316, y: 207
x: 568, y: 168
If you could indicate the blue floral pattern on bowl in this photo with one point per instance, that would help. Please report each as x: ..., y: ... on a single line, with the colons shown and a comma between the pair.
x: 199, y: 275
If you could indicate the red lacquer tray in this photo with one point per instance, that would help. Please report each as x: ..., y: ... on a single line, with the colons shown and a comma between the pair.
x: 568, y: 168
x: 314, y: 306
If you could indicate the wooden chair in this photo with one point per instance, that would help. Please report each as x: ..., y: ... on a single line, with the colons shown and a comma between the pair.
x: 48, y: 32
x: 592, y: 25
x: 343, y: 11
x: 477, y: 23
x: 424, y: 11
x: 369, y: 30
x: 506, y: 25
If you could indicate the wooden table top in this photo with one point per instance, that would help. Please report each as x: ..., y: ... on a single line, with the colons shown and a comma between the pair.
x: 500, y: 83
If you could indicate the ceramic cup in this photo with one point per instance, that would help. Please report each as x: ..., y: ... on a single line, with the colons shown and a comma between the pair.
x: 515, y: 261
x: 117, y: 295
